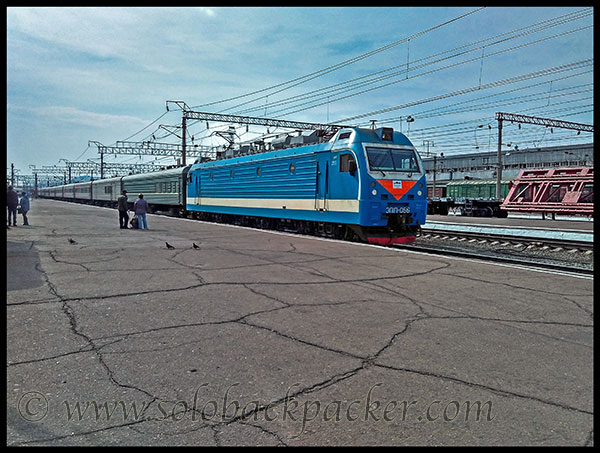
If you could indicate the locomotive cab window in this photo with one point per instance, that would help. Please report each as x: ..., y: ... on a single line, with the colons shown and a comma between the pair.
x: 347, y: 163
x: 392, y: 159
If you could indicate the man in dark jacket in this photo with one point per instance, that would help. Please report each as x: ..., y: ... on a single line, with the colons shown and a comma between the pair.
x: 122, y: 206
x: 12, y: 201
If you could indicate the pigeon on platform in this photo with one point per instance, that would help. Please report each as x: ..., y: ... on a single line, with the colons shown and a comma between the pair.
x: 169, y: 246
x: 72, y: 241
x: 194, y: 245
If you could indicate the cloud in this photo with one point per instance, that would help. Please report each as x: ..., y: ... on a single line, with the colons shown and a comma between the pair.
x: 129, y: 34
x: 207, y: 11
x: 62, y: 114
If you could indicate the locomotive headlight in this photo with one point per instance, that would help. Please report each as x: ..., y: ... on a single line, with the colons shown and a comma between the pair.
x: 374, y: 192
x: 419, y: 193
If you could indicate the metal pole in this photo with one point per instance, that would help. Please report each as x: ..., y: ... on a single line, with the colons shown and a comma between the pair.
x: 183, y: 127
x: 101, y: 165
x: 434, y: 171
x: 499, y: 169
x: 430, y: 142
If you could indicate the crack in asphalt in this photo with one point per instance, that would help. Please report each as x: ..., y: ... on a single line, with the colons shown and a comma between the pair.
x: 366, y: 361
x: 486, y: 387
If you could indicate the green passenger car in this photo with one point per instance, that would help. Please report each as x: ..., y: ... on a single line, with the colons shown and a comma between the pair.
x: 161, y: 189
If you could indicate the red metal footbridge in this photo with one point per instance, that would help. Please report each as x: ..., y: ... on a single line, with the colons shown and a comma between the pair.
x: 565, y: 191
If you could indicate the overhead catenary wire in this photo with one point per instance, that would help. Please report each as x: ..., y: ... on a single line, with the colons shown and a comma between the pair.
x: 302, y: 79
x: 327, y: 91
x: 512, y: 90
x: 304, y: 107
x: 553, y: 70
x: 413, y: 66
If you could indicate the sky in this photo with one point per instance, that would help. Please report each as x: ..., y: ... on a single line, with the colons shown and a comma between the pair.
x: 104, y: 74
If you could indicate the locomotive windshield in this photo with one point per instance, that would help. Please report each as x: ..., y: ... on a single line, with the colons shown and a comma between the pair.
x: 392, y: 159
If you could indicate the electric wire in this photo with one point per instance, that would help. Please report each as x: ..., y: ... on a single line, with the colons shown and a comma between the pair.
x: 341, y: 86
x: 321, y: 72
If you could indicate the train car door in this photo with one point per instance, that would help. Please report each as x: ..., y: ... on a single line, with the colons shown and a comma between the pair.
x: 322, y: 191
x: 344, y: 177
x: 197, y: 176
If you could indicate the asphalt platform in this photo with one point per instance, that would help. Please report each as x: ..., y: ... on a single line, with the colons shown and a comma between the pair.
x: 267, y: 338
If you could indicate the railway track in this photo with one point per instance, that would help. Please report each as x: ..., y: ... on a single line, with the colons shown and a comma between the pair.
x: 526, y: 241
x: 573, y: 256
x: 515, y: 260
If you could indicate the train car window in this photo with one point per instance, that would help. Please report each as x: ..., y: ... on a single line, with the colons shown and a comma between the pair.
x: 345, y: 162
x: 344, y: 135
x: 257, y: 171
x: 292, y: 169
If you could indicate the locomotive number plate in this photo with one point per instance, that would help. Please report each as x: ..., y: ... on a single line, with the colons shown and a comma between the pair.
x: 397, y: 210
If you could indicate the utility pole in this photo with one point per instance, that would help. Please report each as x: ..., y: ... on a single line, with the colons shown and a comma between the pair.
x: 184, y: 107
x: 427, y: 143
x: 499, y: 169
x: 183, y: 132
x: 12, y: 175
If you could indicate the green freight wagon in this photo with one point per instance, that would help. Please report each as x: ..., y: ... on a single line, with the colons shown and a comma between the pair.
x: 476, y: 188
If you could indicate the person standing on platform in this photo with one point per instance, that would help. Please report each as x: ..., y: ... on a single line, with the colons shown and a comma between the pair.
x: 25, y: 207
x: 122, y: 207
x: 140, y: 207
x: 12, y: 201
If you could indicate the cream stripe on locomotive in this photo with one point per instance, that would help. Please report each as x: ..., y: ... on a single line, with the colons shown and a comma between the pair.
x: 306, y: 204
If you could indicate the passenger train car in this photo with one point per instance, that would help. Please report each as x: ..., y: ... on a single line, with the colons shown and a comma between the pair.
x: 366, y: 184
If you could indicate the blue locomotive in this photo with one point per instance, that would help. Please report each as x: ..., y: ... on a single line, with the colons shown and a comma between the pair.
x: 365, y: 184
